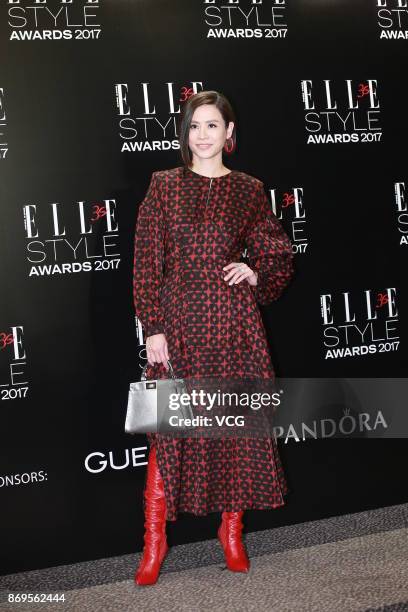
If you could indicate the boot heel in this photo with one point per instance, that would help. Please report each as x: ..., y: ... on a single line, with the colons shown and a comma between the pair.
x: 229, y: 535
x: 150, y: 565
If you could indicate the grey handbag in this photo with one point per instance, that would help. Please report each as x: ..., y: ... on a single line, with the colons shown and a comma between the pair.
x: 151, y: 404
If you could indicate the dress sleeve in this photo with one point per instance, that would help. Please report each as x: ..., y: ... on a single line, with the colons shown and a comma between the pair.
x: 148, y: 260
x: 269, y: 251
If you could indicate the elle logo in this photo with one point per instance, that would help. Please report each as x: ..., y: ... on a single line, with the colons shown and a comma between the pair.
x: 386, y: 300
x: 107, y: 211
x: 147, y: 106
x: 37, y: 2
x: 352, y: 94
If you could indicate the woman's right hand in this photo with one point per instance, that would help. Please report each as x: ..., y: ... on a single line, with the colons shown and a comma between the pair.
x: 157, y: 350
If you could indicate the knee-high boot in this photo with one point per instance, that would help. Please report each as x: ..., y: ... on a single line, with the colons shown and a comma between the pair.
x: 229, y: 534
x: 155, y: 547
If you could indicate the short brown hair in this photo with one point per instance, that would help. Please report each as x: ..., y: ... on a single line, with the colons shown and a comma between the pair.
x: 187, y: 112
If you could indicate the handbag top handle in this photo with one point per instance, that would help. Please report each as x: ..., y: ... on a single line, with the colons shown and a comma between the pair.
x: 143, y: 376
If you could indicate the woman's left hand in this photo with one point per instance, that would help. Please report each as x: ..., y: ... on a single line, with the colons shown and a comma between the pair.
x: 238, y: 271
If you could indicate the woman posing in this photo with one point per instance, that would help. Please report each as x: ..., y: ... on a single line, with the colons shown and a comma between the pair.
x: 198, y: 303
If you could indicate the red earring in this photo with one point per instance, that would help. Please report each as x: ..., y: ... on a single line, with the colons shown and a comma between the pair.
x: 229, y: 148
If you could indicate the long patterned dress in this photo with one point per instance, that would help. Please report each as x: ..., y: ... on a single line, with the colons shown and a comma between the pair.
x: 188, y: 228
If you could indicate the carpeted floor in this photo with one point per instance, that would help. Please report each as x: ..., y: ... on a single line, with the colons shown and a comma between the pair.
x: 355, y: 562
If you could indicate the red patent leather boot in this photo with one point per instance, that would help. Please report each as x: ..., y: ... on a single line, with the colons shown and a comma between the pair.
x: 155, y: 548
x: 229, y: 534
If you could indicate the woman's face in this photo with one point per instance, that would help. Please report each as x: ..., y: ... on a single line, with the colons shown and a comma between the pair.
x: 207, y: 132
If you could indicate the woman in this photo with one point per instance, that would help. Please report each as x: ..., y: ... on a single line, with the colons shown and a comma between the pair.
x: 197, y: 302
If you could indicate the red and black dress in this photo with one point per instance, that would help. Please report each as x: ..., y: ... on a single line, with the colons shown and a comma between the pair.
x: 189, y: 227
